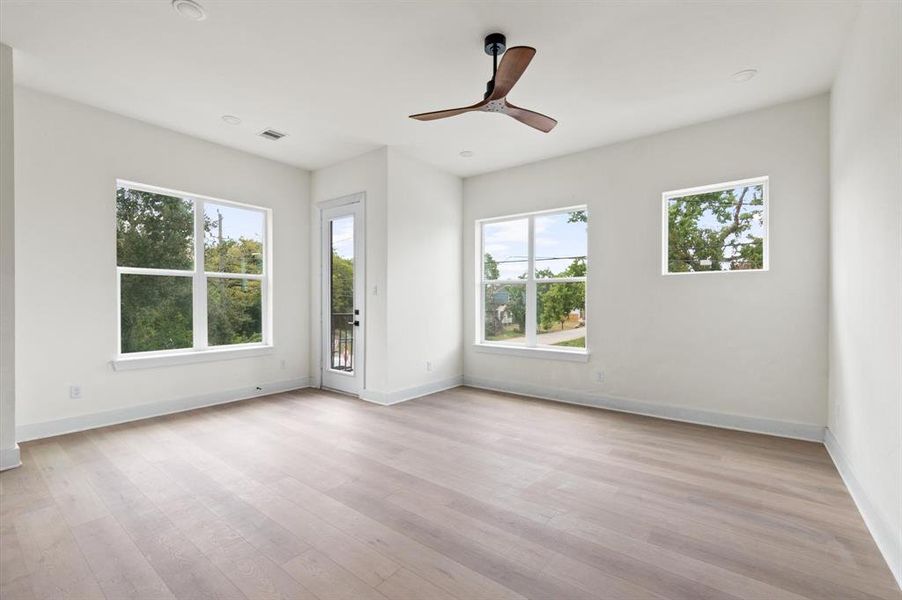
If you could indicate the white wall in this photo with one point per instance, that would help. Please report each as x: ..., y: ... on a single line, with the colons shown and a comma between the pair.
x: 425, y: 212
x: 865, y: 426
x: 68, y: 157
x: 366, y: 173
x: 698, y: 347
x: 413, y: 221
x: 9, y: 452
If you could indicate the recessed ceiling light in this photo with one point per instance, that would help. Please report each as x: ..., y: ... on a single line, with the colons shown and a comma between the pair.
x: 466, y: 153
x: 744, y: 75
x: 231, y: 119
x: 189, y: 9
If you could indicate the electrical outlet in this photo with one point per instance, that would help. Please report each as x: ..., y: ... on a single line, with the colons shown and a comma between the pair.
x: 428, y: 365
x: 75, y: 392
x: 599, y: 376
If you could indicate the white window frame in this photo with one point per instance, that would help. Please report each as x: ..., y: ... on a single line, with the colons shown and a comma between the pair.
x: 764, y: 181
x: 200, y: 351
x: 530, y: 349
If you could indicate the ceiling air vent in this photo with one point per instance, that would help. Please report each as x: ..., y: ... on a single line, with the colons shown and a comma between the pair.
x: 272, y: 134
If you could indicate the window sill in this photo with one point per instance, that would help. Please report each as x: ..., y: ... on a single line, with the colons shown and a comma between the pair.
x: 677, y: 273
x: 546, y: 353
x: 128, y: 363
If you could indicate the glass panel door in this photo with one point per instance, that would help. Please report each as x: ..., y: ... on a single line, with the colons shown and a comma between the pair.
x: 341, y: 297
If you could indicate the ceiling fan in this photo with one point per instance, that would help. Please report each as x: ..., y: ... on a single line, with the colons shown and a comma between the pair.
x: 504, y: 76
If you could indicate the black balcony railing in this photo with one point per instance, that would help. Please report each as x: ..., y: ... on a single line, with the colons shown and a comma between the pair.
x: 342, y: 342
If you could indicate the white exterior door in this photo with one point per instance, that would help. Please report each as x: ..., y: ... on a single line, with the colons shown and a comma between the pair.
x: 343, y: 285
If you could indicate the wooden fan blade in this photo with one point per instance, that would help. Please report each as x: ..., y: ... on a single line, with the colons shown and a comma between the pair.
x: 451, y: 112
x: 513, y: 62
x: 531, y: 118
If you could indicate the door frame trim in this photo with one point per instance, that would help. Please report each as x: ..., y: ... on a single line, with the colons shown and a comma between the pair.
x: 358, y: 198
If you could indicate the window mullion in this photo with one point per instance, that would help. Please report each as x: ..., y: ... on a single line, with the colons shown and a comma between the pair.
x: 154, y: 271
x: 265, y: 287
x: 562, y: 279
x: 226, y: 275
x: 199, y: 317
x: 118, y: 311
x: 480, y: 296
x: 531, y: 286
x: 480, y: 313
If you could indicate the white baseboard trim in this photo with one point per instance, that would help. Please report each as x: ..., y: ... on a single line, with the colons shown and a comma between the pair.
x: 787, y: 429
x: 887, y: 540
x: 34, y: 431
x: 9, y: 458
x: 389, y: 398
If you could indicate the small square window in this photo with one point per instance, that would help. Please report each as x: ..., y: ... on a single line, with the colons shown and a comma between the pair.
x: 719, y: 227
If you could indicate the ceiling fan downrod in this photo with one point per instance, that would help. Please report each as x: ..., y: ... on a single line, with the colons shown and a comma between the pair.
x: 495, y: 45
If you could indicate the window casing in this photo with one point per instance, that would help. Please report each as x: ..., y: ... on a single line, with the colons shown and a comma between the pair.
x: 209, y: 285
x: 727, y: 232
x: 529, y: 280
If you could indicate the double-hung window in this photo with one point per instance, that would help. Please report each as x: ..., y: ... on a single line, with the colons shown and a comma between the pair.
x: 193, y: 273
x: 532, y: 280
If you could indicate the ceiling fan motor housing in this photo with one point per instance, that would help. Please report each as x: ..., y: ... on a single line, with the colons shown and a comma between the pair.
x: 495, y: 43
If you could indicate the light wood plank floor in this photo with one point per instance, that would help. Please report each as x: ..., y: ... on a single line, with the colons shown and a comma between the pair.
x: 465, y: 494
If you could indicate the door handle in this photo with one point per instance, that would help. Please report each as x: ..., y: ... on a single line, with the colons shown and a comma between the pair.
x: 356, y: 323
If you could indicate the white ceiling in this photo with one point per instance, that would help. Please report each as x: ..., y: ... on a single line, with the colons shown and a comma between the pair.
x: 341, y: 77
